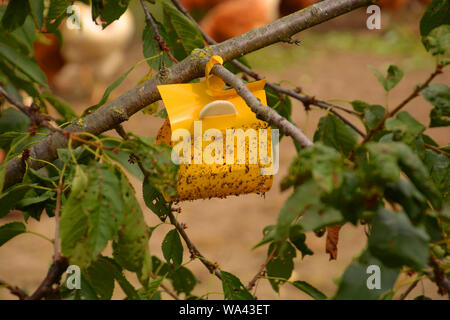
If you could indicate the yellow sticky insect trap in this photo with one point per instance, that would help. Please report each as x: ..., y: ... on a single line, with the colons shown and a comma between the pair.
x: 231, y: 147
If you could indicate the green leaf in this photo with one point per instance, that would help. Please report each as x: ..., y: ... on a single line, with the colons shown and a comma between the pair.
x: 56, y: 9
x: 394, y: 76
x: 10, y: 230
x: 12, y: 196
x: 123, y: 158
x: 101, y: 278
x: 298, y: 238
x: 396, y: 242
x: 333, y: 132
x: 37, y: 11
x: 92, y: 214
x: 182, y: 35
x: 61, y: 106
x: 439, y: 96
x: 108, y: 11
x: 309, y: 290
x: 131, y: 248
x: 13, y: 120
x: 387, y: 160
x: 404, y: 123
x: 319, y: 216
x: 233, y: 289
x: 151, y: 47
x: 280, y: 103
x: 282, y: 263
x: 303, y: 197
x: 439, y: 167
x: 110, y: 89
x: 172, y: 248
x: 24, y: 64
x: 161, y: 173
x: 15, y: 14
x: 438, y: 41
x: 437, y: 14
x: 353, y: 285
x: 183, y: 280
x: 117, y: 273
x: 155, y: 200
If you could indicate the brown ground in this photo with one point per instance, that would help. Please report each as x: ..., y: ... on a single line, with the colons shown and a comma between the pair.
x: 225, y: 230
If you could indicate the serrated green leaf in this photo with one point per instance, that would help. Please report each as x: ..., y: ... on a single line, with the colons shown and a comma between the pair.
x: 23, y: 63
x: 182, y: 35
x: 10, y: 230
x: 92, y: 214
x: 131, y: 249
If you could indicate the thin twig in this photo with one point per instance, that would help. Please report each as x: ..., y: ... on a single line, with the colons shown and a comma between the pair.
x: 192, y: 67
x: 169, y: 292
x: 173, y: 220
x: 14, y: 290
x: 410, y: 288
x: 429, y: 146
x: 192, y: 249
x: 413, y: 95
x: 305, y: 99
x: 260, y: 273
x: 262, y: 112
x: 161, y: 42
x: 57, y: 254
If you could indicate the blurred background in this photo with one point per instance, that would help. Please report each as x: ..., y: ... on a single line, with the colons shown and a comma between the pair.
x: 330, y: 63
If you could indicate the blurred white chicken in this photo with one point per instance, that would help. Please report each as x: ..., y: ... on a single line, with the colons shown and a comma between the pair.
x: 91, y: 53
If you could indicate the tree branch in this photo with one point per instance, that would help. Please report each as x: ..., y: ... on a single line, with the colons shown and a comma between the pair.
x: 120, y: 109
x: 305, y: 99
x: 54, y: 274
x: 192, y: 249
x: 412, y: 96
x: 262, y: 112
x: 161, y: 42
x: 14, y: 290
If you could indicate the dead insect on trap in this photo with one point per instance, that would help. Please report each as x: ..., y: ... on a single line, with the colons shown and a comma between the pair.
x: 220, y: 145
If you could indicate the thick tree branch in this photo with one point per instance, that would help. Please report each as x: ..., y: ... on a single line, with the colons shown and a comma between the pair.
x: 54, y: 274
x: 120, y: 109
x: 262, y: 112
x: 305, y: 99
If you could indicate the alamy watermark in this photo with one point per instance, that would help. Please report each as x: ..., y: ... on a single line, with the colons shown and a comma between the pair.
x: 374, y: 20
x: 258, y: 147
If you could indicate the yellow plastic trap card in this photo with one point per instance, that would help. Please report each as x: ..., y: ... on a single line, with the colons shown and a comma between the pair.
x: 220, y: 145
